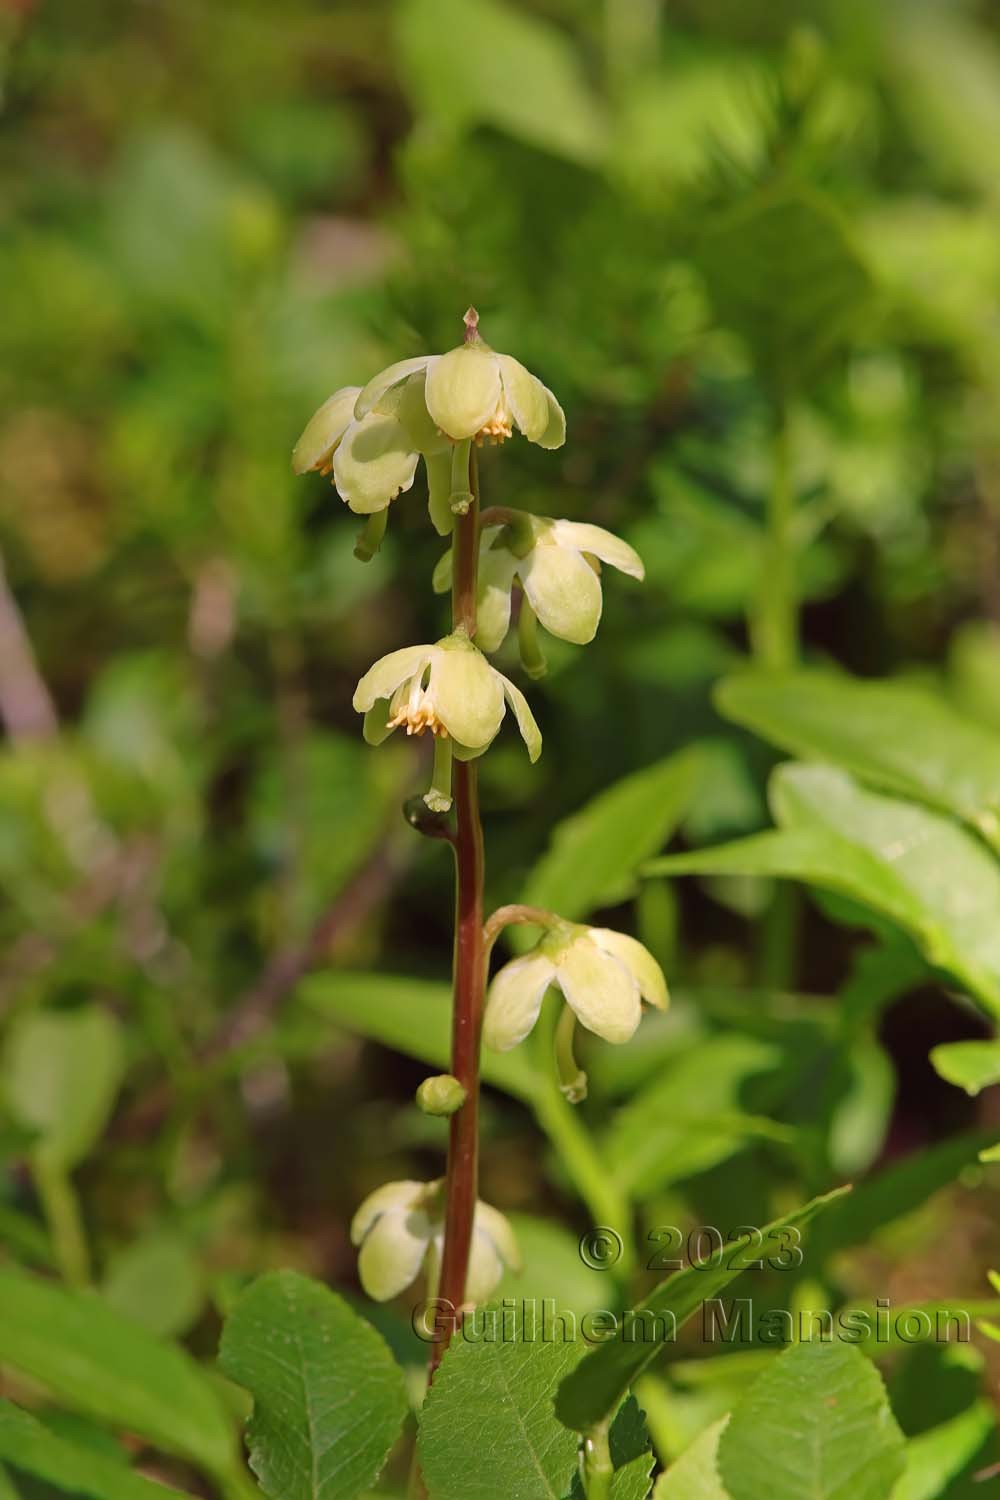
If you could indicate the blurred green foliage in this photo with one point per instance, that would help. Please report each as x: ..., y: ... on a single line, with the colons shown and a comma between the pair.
x: 728, y: 236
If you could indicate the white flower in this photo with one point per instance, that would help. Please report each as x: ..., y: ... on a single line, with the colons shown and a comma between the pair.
x: 603, y: 976
x: 471, y: 392
x: 373, y: 456
x: 400, y: 1229
x: 448, y: 688
x: 555, y: 562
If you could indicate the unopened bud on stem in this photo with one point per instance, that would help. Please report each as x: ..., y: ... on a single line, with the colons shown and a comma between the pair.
x: 440, y: 1095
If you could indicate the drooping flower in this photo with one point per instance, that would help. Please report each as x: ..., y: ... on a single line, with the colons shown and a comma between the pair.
x: 373, y: 456
x: 473, y: 392
x: 603, y: 976
x: 557, y: 565
x: 400, y: 1229
x: 448, y: 688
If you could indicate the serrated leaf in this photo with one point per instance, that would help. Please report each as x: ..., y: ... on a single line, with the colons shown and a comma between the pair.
x: 329, y: 1398
x: 592, y: 1392
x: 906, y: 862
x: 413, y: 1016
x: 31, y: 1447
x: 61, y: 1074
x: 695, y: 1475
x: 888, y: 735
x: 502, y: 1389
x: 101, y: 1364
x: 972, y: 1066
x: 781, y: 271
x: 486, y: 62
x: 594, y: 854
x: 935, y: 1457
x: 816, y: 1426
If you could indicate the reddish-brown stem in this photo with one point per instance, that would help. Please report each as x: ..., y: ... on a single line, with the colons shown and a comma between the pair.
x: 462, y: 1176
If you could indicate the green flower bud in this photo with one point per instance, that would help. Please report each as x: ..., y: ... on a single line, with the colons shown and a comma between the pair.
x: 441, y: 1095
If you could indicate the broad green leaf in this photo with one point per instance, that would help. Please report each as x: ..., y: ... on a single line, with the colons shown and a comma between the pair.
x: 487, y: 1426
x: 29, y: 1446
x: 695, y: 1475
x: 488, y: 62
x: 861, y: 1117
x: 909, y: 863
x: 690, y: 1116
x: 972, y: 1066
x: 591, y: 1393
x: 934, y: 1458
x: 329, y: 1399
x: 816, y: 1426
x: 594, y: 854
x: 631, y: 1456
x: 158, y: 1281
x: 893, y: 737
x: 101, y: 1364
x: 61, y: 1073
x: 781, y: 271
x: 412, y: 1016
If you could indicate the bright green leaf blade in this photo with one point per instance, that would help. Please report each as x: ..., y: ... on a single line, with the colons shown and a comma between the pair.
x: 935, y: 1457
x: 31, y: 1447
x: 329, y: 1398
x: 816, y: 1426
x: 486, y: 62
x: 157, y: 1281
x: 695, y: 1475
x: 972, y: 1066
x: 594, y: 1389
x: 594, y: 854
x: 906, y: 862
x: 487, y: 1427
x: 890, y: 736
x: 61, y: 1073
x: 413, y: 1016
x: 101, y: 1364
x: 782, y: 272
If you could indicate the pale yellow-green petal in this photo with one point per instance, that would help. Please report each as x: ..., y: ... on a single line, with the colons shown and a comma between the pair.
x: 463, y: 390
x: 373, y: 463
x: 555, y: 429
x: 564, y: 591
x: 393, y: 1252
x: 601, y: 991
x: 391, y: 1195
x: 526, y: 397
x: 392, y: 375
x: 629, y: 951
x: 407, y: 404
x: 324, y: 430
x: 496, y: 579
x: 530, y: 732
x: 485, y: 1268
x: 384, y: 677
x: 467, y: 695
x: 491, y: 1221
x: 514, y: 1000
x: 438, y: 466
x: 583, y: 537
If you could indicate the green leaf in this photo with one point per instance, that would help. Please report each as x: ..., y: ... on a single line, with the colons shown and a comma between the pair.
x: 594, y: 854
x: 412, y: 1016
x: 61, y: 1074
x: 592, y: 1392
x: 487, y: 1427
x: 329, y: 1399
x: 893, y: 737
x: 695, y: 1475
x: 158, y: 1281
x: 109, y: 1368
x: 782, y: 272
x: 816, y: 1426
x: 861, y: 1117
x: 972, y: 1066
x: 31, y: 1447
x: 482, y: 61
x: 935, y: 1458
x: 690, y: 1116
x: 922, y: 870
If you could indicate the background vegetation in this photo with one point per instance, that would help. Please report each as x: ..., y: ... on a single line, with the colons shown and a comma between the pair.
x: 755, y: 249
